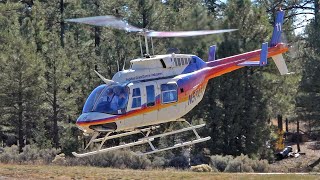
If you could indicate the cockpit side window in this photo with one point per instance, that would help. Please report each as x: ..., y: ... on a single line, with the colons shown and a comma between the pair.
x: 88, y: 107
x: 169, y: 93
x: 136, y: 98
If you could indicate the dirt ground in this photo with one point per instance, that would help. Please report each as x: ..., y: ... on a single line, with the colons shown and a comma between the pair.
x: 8, y: 171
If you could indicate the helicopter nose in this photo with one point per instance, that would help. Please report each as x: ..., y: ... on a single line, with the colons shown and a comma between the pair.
x: 87, y: 121
x: 83, y: 118
x: 81, y: 122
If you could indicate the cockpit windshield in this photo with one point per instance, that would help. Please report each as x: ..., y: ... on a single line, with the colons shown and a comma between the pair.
x: 110, y: 99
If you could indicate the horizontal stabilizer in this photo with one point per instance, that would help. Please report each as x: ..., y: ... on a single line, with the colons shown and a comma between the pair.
x: 250, y: 63
x: 263, y: 58
x: 280, y: 63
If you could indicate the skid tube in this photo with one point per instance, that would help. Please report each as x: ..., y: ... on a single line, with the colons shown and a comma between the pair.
x: 147, y: 139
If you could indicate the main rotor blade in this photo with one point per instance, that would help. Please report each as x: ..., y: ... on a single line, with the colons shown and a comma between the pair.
x: 108, y: 21
x: 186, y: 33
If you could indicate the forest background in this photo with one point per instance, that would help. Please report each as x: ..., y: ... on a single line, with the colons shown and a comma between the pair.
x: 46, y: 68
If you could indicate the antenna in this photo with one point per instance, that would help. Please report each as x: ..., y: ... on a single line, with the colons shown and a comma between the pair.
x: 124, y: 63
x: 118, y: 63
x: 105, y: 80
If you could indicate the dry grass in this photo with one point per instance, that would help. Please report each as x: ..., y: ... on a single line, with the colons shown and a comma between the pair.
x: 81, y: 172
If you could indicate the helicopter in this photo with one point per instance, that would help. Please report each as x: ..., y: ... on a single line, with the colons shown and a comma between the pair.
x: 158, y: 89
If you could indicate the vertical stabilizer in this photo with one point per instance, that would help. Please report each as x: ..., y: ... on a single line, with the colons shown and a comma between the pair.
x: 277, y: 29
x: 264, y: 55
x: 212, y: 53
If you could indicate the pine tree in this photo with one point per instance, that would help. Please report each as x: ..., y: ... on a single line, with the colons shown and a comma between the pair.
x: 308, y: 97
x: 235, y: 106
x: 21, y: 79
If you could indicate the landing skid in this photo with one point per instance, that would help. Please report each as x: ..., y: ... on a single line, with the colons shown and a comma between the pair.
x: 147, y: 139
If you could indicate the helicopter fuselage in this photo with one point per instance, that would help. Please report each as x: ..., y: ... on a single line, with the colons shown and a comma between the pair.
x: 157, y: 90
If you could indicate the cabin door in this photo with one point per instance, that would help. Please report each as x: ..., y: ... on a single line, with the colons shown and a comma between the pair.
x: 135, y: 106
x: 150, y: 114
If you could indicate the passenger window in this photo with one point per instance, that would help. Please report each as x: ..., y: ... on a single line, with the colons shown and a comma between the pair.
x: 136, y: 98
x: 169, y: 93
x: 151, y: 99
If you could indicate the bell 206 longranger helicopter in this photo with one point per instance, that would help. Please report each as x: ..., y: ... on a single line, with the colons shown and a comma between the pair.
x: 160, y: 88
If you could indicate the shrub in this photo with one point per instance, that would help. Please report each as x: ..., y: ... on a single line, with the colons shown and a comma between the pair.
x: 5, y: 158
x: 60, y: 159
x: 316, y: 169
x: 201, y: 168
x: 117, y: 159
x: 220, y: 162
x: 243, y: 163
x: 179, y: 162
x: 47, y: 155
x: 237, y: 166
x: 158, y: 162
x: 30, y: 154
x: 10, y: 154
x: 260, y: 166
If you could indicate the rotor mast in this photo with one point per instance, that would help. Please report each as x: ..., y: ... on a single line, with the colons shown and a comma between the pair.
x: 144, y: 33
x: 146, y: 41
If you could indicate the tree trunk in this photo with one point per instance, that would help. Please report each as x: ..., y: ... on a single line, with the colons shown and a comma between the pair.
x: 55, y: 110
x: 316, y: 12
x: 20, y: 115
x: 298, y: 136
x: 97, y: 33
x: 61, y: 24
x: 280, y: 126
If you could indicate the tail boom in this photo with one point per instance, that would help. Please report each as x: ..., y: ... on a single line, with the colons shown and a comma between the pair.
x: 229, y: 64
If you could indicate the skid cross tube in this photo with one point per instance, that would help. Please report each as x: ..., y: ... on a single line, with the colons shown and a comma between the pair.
x: 126, y: 134
x: 175, y: 132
